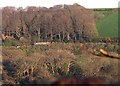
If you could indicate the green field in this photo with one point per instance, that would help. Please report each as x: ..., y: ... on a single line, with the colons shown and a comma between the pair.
x: 108, y: 27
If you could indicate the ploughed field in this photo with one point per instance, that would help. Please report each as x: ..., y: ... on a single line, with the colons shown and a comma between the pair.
x: 47, y: 63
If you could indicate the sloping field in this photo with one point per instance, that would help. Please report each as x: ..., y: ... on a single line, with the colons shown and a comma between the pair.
x: 108, y: 27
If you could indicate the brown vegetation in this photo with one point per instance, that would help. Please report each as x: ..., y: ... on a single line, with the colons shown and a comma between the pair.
x: 45, y: 64
x: 58, y: 23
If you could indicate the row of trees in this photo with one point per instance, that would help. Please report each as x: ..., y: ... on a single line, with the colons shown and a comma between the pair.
x: 61, y: 22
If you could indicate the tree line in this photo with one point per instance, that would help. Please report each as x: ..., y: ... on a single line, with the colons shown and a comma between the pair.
x: 58, y: 23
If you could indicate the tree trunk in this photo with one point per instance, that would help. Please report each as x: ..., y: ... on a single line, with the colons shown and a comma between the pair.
x: 78, y: 36
x: 51, y: 36
x: 24, y: 31
x: 8, y: 33
x: 39, y: 34
x: 59, y: 36
x: 74, y: 37
x: 63, y: 35
x: 68, y: 36
x: 46, y: 37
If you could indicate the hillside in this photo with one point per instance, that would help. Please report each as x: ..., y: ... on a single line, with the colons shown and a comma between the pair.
x: 108, y: 27
x: 46, y: 64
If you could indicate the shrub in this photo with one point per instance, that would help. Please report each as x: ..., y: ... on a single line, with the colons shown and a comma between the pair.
x: 24, y: 41
x: 77, y: 50
x: 75, y: 69
x: 45, y: 65
x: 56, y: 61
x: 11, y: 42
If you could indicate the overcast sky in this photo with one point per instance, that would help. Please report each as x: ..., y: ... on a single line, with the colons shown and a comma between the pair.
x: 50, y: 3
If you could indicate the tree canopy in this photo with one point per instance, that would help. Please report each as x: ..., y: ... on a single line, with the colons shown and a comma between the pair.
x: 60, y: 22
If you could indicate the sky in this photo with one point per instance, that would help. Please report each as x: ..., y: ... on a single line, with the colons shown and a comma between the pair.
x: 50, y: 3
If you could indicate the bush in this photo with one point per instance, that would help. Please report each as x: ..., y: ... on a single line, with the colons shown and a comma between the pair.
x: 77, y: 50
x: 75, y: 69
x: 24, y: 41
x: 11, y: 42
x: 57, y: 60
x: 46, y: 65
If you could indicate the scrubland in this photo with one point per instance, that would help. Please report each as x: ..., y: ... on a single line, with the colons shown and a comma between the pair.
x: 48, y: 63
